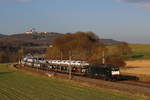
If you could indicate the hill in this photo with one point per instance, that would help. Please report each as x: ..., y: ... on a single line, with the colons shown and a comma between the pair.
x: 109, y: 41
x: 38, y: 39
x: 35, y: 42
x: 16, y: 41
x: 30, y: 39
x: 2, y: 35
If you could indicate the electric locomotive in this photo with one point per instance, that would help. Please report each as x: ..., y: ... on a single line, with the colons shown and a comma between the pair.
x: 104, y: 71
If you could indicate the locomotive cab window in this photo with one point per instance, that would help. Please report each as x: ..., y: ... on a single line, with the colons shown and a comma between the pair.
x: 114, y: 68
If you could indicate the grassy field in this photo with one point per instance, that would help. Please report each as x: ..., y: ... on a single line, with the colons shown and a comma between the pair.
x: 17, y: 85
x: 141, y: 49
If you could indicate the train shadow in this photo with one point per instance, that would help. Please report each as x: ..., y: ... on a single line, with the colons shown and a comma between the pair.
x: 131, y: 67
x: 3, y: 73
x: 128, y: 77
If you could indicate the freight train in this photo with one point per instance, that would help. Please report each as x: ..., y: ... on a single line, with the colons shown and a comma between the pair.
x: 103, y: 71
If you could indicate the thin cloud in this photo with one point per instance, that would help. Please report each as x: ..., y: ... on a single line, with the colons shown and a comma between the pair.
x: 134, y: 1
x: 144, y: 4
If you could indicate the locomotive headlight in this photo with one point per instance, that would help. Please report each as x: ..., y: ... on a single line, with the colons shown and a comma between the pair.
x: 115, y: 72
x: 96, y: 74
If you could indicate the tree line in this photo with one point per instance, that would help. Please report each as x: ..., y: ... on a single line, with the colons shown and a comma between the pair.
x: 87, y: 47
x: 7, y: 55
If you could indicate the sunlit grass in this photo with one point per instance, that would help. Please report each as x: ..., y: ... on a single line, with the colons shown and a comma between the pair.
x: 141, y: 49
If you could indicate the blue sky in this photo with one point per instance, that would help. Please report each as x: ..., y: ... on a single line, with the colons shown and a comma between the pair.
x: 125, y: 20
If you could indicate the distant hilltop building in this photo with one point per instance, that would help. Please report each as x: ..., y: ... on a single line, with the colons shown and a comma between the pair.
x: 29, y: 31
x: 33, y: 31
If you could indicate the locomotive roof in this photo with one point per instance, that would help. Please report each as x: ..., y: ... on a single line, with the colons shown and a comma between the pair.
x: 105, y: 66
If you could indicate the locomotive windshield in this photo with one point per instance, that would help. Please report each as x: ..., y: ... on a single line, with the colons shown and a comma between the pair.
x: 115, y: 69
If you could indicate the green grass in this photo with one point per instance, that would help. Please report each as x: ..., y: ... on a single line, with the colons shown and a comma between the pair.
x: 16, y: 85
x: 141, y: 49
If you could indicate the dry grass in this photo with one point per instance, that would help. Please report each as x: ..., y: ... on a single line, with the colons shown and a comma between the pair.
x: 140, y: 63
x: 139, y: 68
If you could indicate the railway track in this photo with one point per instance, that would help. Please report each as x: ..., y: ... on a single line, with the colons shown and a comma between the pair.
x: 136, y: 83
x: 136, y: 87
